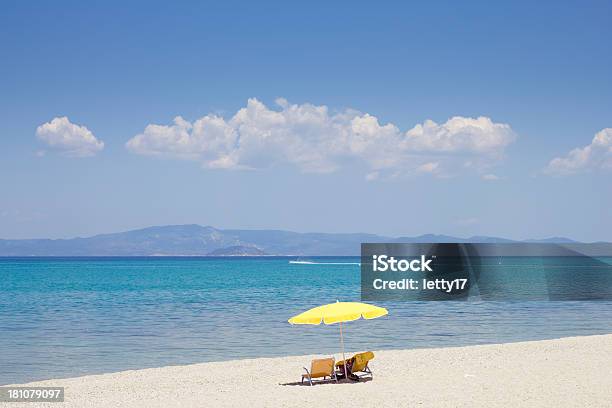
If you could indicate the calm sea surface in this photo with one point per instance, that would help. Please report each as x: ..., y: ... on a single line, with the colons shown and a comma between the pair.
x: 76, y: 316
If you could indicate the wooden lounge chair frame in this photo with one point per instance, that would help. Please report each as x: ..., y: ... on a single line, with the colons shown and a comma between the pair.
x: 367, y: 372
x: 309, y: 374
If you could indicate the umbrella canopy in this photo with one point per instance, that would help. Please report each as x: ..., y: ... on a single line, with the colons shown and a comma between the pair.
x: 337, y: 313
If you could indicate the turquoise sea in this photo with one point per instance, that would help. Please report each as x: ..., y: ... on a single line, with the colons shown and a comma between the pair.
x: 63, y: 317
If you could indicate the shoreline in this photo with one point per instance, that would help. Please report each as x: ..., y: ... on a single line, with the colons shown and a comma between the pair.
x: 571, y: 371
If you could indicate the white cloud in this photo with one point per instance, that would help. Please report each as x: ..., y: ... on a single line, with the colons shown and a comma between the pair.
x: 69, y: 138
x: 461, y: 134
x: 372, y: 176
x: 490, y: 177
x: 595, y: 156
x: 314, y: 139
x: 430, y: 167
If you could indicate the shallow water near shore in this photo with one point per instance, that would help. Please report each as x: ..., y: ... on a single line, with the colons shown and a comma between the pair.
x: 64, y: 317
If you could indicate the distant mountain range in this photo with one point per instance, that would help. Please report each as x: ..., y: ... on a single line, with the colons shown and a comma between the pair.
x: 196, y: 240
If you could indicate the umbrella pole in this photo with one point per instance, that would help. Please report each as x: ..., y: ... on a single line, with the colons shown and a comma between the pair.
x: 343, y: 358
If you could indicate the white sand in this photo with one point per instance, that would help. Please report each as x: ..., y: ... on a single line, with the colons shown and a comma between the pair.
x: 570, y: 372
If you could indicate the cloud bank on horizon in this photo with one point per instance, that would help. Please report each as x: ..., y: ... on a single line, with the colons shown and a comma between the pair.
x: 68, y: 138
x: 316, y: 140
x: 595, y: 156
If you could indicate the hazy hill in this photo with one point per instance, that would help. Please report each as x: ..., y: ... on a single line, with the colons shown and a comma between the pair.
x: 198, y: 240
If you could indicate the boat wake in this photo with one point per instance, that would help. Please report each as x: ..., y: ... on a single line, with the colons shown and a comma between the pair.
x: 323, y: 263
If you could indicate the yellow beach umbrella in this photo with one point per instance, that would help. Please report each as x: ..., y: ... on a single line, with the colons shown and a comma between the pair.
x: 337, y: 313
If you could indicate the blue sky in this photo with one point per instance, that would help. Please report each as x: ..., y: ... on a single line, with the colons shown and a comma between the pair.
x: 537, y: 74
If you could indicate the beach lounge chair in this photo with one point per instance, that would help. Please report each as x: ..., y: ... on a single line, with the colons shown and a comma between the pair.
x: 321, y: 368
x: 359, y: 364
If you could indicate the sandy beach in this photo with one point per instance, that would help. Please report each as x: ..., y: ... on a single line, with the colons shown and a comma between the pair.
x: 569, y: 372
